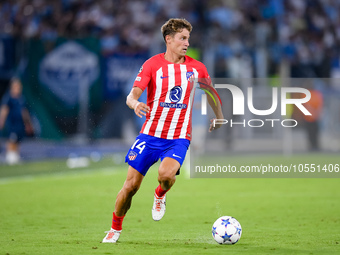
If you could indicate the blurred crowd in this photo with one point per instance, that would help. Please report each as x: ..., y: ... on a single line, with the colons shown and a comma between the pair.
x: 305, y: 32
x: 230, y: 36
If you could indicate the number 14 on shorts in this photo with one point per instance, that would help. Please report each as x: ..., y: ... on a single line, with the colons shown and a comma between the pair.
x: 140, y: 146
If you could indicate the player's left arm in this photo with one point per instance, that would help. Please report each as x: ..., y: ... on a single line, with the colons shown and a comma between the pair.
x: 214, y: 100
x: 27, y: 121
x: 216, y: 106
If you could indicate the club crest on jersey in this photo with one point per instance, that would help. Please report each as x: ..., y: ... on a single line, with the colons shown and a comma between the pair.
x: 132, y: 155
x: 189, y: 75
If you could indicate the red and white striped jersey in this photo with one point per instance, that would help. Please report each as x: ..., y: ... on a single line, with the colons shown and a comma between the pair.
x: 169, y: 95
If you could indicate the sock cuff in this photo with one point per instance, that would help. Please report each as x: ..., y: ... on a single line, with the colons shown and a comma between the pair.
x: 117, y: 222
x: 118, y: 217
x: 160, y: 192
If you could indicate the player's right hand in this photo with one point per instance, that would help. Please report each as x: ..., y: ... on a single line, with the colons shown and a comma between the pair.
x: 141, y: 109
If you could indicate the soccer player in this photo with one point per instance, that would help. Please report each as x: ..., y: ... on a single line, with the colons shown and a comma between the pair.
x: 166, y: 132
x: 14, y: 112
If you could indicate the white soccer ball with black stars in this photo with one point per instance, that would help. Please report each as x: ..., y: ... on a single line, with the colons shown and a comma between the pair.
x: 226, y: 230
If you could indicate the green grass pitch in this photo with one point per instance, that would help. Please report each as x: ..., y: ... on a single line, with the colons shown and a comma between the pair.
x: 67, y: 213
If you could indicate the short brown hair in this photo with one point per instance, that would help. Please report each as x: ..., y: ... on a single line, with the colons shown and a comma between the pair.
x: 173, y: 26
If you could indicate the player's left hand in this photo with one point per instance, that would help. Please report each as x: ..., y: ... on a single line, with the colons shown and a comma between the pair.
x: 214, y: 125
x: 29, y: 129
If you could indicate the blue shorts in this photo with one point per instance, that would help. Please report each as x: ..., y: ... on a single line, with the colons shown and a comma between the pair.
x: 16, y: 136
x: 147, y: 150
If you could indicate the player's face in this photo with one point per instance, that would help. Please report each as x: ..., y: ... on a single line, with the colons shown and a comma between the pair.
x: 179, y: 43
x: 16, y: 89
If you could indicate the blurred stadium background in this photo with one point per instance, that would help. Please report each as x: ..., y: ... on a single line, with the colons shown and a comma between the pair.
x: 77, y: 61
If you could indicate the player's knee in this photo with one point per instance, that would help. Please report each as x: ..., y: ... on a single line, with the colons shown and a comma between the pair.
x: 131, y: 191
x: 167, y: 180
x: 131, y: 188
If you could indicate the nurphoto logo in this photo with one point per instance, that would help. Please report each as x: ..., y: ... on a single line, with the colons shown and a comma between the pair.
x: 238, y: 106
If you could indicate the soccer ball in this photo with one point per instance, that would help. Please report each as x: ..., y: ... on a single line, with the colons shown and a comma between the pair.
x: 226, y: 230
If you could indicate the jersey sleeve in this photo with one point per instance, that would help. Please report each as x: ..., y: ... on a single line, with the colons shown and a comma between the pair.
x: 144, y: 76
x: 203, y: 75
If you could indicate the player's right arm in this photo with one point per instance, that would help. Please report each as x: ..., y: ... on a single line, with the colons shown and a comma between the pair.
x: 140, y: 108
x: 142, y: 81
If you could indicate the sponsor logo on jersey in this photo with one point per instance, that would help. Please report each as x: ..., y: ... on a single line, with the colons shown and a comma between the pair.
x: 132, y: 155
x: 172, y: 105
x: 164, y: 77
x: 175, y: 94
x: 138, y: 78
